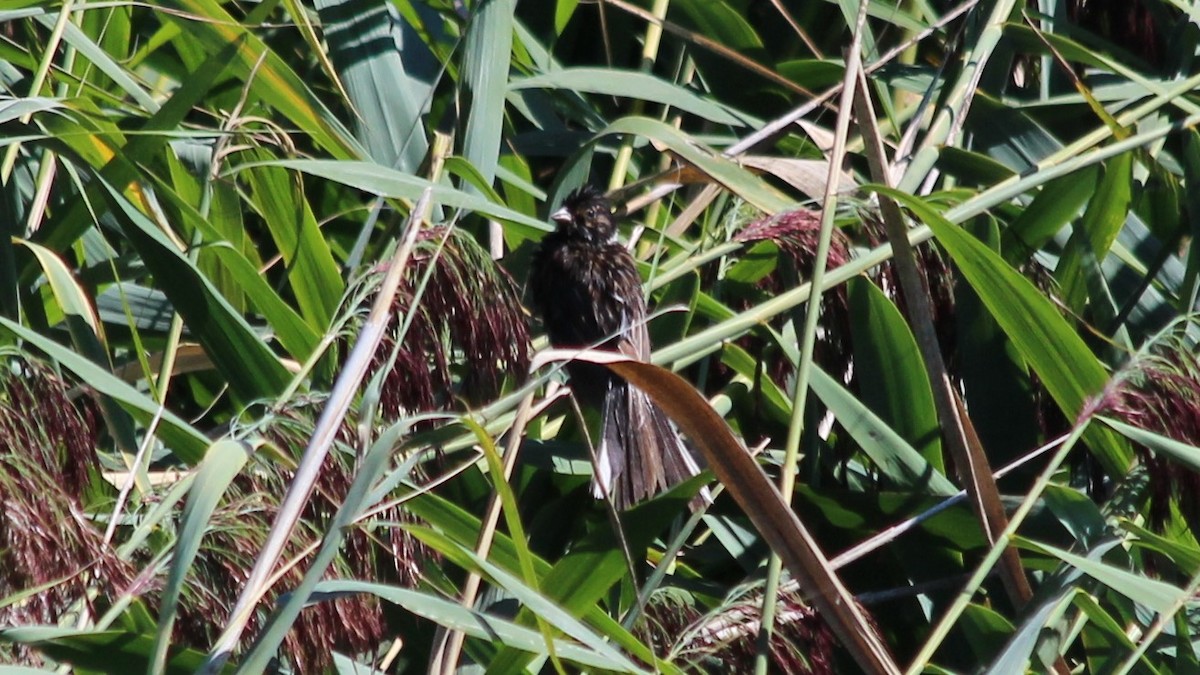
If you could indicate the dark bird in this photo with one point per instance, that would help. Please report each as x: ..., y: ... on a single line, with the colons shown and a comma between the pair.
x: 587, y: 289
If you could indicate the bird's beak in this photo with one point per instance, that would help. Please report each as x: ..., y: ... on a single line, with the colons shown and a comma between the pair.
x: 561, y: 216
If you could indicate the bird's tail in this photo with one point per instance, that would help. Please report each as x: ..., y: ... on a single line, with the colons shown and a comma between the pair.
x: 640, y: 453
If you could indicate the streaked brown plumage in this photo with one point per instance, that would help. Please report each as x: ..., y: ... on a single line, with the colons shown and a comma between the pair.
x: 586, y: 288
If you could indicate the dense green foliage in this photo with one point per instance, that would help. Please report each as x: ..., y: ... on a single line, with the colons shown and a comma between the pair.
x: 270, y: 400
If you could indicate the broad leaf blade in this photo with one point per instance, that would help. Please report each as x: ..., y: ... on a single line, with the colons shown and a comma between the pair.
x: 1068, y: 369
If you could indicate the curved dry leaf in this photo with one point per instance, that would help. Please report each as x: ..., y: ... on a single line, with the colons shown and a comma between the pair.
x: 806, y: 175
x: 753, y: 491
x: 820, y: 136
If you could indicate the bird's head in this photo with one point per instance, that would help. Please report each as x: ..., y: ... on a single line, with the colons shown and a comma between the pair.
x: 586, y: 214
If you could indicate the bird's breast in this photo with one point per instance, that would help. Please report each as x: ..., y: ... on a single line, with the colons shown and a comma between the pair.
x: 585, y: 291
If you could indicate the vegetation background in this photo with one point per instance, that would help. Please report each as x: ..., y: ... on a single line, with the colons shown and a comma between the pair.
x: 269, y: 398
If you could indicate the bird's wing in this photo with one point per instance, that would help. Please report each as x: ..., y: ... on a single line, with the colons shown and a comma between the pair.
x: 634, y: 338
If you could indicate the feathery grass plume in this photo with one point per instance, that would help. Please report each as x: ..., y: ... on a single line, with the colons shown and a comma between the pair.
x: 796, y: 233
x: 469, y: 331
x: 794, y: 236
x: 351, y: 625
x: 936, y: 277
x: 725, y: 637
x: 467, y: 334
x: 48, y: 465
x: 1160, y: 391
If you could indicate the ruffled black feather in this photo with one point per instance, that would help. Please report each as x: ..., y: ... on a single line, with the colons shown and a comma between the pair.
x: 587, y: 289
